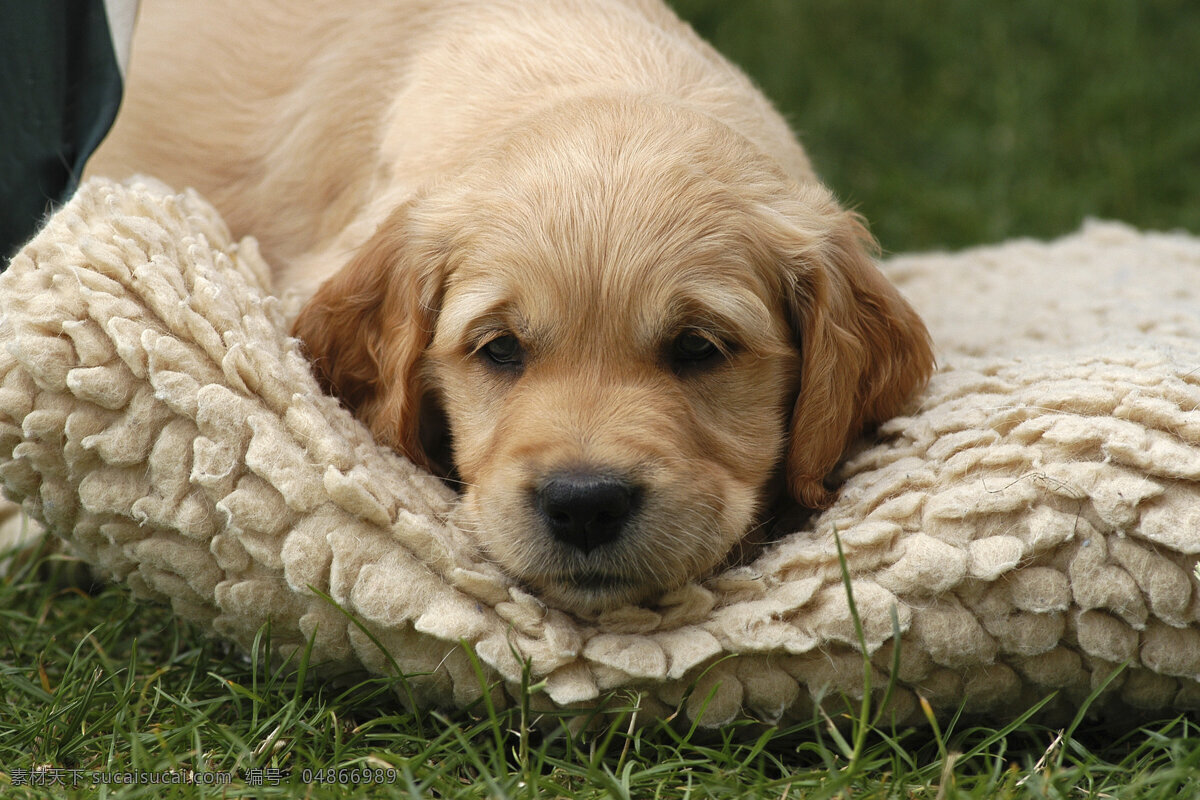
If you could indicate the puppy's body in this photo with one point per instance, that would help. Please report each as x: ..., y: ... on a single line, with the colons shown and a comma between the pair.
x: 307, y: 124
x: 571, y: 229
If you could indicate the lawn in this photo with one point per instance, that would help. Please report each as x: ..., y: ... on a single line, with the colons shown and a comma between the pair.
x: 97, y: 688
x: 947, y: 124
x: 957, y: 122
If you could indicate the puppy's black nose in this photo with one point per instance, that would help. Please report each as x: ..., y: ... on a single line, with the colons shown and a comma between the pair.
x: 584, y: 509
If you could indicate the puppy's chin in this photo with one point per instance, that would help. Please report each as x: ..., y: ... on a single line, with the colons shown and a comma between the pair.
x: 672, y: 540
x: 590, y: 591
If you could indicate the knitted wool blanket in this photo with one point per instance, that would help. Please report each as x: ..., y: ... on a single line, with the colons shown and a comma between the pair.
x: 1031, y: 525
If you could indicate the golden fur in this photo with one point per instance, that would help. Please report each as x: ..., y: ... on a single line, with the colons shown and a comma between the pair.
x: 564, y: 252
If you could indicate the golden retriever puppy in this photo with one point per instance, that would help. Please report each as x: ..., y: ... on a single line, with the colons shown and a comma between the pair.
x: 562, y: 252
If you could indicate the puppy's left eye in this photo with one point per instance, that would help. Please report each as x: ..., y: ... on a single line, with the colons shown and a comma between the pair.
x: 692, y: 349
x: 504, y: 351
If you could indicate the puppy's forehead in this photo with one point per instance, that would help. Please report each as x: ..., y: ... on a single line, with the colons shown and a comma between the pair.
x: 619, y: 293
x: 621, y: 222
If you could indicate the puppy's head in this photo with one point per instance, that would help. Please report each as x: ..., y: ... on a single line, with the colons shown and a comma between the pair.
x: 627, y: 321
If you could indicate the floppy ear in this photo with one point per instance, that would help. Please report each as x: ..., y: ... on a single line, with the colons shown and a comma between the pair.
x: 366, y: 329
x: 864, y: 348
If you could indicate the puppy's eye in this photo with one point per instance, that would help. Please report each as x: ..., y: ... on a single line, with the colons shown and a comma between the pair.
x: 504, y: 351
x: 693, y: 349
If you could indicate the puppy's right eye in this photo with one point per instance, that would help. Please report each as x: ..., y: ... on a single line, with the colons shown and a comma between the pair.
x: 504, y: 351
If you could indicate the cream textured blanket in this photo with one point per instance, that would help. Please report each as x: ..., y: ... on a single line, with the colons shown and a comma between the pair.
x: 1032, y: 524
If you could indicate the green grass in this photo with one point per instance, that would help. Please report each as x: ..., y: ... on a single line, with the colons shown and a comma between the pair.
x: 96, y: 682
x: 957, y: 122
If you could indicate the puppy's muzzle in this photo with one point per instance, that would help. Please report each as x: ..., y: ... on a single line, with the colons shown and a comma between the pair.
x: 586, y: 510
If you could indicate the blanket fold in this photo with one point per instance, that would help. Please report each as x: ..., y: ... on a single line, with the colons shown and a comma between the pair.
x: 1029, y: 525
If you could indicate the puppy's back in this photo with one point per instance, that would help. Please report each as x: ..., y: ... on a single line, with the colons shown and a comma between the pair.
x: 306, y: 123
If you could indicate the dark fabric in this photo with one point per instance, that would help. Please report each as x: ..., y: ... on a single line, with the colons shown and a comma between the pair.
x: 59, y: 92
